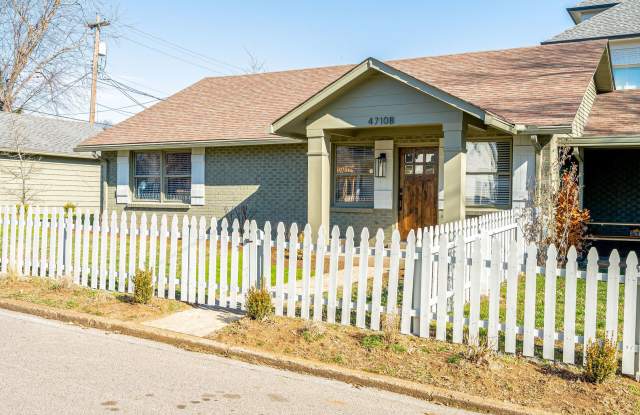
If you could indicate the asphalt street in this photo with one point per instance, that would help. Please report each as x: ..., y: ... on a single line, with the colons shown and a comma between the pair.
x: 48, y: 367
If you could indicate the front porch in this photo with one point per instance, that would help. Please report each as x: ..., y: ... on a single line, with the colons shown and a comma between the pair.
x: 610, y: 192
x: 388, y: 152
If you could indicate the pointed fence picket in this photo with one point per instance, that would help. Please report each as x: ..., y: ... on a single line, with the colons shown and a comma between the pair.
x: 438, y: 273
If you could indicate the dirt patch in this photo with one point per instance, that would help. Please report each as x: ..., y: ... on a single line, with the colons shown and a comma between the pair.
x: 531, y: 383
x: 61, y: 294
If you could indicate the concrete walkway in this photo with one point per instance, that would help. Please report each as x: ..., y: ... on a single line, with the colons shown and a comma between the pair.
x: 197, y: 321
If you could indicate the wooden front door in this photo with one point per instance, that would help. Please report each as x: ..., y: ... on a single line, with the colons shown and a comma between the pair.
x: 418, y: 191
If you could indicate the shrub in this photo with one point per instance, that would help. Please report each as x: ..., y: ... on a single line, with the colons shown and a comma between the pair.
x: 571, y: 221
x: 371, y: 342
x: 479, y: 354
x: 69, y: 207
x: 601, y: 361
x: 390, y: 323
x: 12, y: 275
x: 143, y: 287
x: 258, y: 304
x: 63, y: 283
x: 312, y: 330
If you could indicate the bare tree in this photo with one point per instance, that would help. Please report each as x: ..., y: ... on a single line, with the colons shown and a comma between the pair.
x: 254, y: 65
x: 44, y: 52
x: 553, y: 214
x: 23, y: 165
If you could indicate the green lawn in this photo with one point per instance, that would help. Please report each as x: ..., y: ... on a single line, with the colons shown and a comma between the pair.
x: 560, y: 296
x: 178, y: 259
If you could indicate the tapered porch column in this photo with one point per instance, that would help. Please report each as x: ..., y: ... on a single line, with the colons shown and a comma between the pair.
x: 318, y: 179
x: 455, y: 160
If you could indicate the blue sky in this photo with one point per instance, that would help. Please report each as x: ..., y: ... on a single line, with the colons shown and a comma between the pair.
x: 297, y: 34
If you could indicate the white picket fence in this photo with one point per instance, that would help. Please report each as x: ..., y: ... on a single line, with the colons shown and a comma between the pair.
x: 425, y: 287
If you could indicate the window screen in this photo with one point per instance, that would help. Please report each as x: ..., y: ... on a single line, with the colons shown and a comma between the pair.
x: 162, y: 176
x: 488, y: 181
x: 354, y: 176
x: 178, y: 176
x: 147, y: 176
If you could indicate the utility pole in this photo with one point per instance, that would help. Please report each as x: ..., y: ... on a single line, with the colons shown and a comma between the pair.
x: 94, y: 78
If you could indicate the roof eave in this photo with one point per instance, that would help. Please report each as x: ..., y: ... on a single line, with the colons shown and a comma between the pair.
x: 605, y: 37
x: 189, y: 144
x: 603, y: 141
x: 544, y: 129
x: 32, y: 152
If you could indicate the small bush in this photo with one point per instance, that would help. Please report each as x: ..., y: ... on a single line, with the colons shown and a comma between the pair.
x: 143, y: 287
x: 601, y: 361
x: 312, y: 331
x: 63, y: 283
x: 69, y: 207
x: 371, y: 342
x: 390, y: 324
x: 12, y: 275
x: 398, y: 348
x: 258, y: 304
x: 454, y: 359
x: 480, y: 354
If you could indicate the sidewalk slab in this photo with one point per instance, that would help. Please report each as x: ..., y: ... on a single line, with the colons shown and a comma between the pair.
x: 197, y: 321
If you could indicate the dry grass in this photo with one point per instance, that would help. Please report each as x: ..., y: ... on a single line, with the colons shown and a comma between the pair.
x: 553, y: 387
x: 62, y: 293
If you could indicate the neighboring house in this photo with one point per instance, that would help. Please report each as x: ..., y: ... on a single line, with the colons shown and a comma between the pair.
x: 458, y: 135
x: 609, y: 148
x: 38, y: 164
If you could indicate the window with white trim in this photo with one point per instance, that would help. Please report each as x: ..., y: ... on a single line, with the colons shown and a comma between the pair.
x: 625, y: 60
x: 162, y: 176
x: 488, y: 179
x: 353, y: 176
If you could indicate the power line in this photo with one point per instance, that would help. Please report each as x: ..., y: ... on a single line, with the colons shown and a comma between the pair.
x: 111, y: 109
x: 141, y: 85
x: 118, y: 110
x: 58, y: 116
x: 124, y: 92
x: 132, y: 89
x: 174, y: 56
x: 187, y: 50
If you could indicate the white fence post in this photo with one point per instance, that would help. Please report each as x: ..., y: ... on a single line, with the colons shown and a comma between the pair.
x: 363, y: 267
x: 318, y: 280
x: 333, y: 275
x: 292, y: 273
x: 345, y: 317
x: 407, y: 288
x: 630, y: 313
x: 459, y: 270
x: 280, y: 241
x: 548, y: 346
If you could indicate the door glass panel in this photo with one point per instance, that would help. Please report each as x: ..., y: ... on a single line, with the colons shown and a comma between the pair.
x: 419, y: 168
x: 408, y: 169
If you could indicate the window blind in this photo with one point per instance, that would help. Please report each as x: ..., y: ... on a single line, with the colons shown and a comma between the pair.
x: 354, y: 175
x: 488, y: 181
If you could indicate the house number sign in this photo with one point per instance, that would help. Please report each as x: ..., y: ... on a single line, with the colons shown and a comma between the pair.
x: 382, y: 120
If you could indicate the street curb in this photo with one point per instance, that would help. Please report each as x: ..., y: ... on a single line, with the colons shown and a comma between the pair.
x: 359, y: 378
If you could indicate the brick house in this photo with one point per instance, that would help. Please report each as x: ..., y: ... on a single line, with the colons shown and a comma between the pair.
x: 404, y: 143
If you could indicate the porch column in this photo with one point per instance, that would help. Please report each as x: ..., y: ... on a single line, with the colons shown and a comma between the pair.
x: 455, y: 160
x: 318, y: 179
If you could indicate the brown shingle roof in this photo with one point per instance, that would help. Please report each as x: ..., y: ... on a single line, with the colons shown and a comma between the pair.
x: 615, y: 113
x: 540, y: 85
